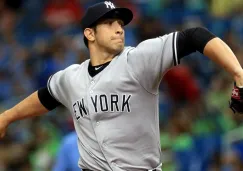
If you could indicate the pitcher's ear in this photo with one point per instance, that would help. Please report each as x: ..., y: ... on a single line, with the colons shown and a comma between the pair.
x: 89, y: 34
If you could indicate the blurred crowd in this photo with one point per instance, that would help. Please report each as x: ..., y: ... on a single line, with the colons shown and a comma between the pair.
x: 198, y: 131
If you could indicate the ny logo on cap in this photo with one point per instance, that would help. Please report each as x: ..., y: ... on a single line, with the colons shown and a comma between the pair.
x: 109, y: 5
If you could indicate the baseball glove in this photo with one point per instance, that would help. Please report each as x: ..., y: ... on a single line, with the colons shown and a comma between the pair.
x: 236, y: 102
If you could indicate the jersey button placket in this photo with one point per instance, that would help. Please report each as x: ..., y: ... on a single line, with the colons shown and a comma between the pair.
x: 91, y: 86
x: 113, y: 165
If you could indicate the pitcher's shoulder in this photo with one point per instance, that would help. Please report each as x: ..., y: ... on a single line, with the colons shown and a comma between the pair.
x: 128, y: 48
x: 74, y: 67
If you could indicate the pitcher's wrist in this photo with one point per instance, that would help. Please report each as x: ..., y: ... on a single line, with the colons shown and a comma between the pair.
x: 238, y: 77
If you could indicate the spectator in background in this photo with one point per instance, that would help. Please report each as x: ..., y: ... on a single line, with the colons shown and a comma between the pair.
x: 232, y: 161
x: 68, y: 154
x: 215, y: 164
x: 45, y: 145
x: 224, y: 8
x: 232, y: 40
x: 196, y: 5
x: 57, y: 55
x: 221, y: 88
x: 182, y: 85
x: 149, y: 27
x: 13, y: 155
x: 15, y: 80
x: 135, y: 9
x: 62, y: 13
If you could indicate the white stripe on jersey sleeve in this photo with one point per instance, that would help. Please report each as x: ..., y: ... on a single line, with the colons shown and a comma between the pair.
x: 174, y: 45
x: 49, y: 88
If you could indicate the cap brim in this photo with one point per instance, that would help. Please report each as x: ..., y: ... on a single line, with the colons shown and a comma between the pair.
x: 124, y: 14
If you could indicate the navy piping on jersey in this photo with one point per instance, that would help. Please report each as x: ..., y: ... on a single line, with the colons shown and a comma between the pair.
x: 174, y: 49
x: 49, y: 88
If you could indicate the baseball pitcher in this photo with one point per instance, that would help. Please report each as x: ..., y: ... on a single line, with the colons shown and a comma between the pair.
x: 113, y: 96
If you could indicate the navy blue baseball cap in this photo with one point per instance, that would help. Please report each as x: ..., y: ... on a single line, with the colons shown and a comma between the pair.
x: 101, y: 10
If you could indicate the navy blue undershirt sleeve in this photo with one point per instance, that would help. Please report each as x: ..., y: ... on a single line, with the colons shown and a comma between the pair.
x: 192, y: 40
x: 47, y: 100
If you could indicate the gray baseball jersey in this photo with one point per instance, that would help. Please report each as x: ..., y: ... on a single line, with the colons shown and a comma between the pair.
x: 115, y: 113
